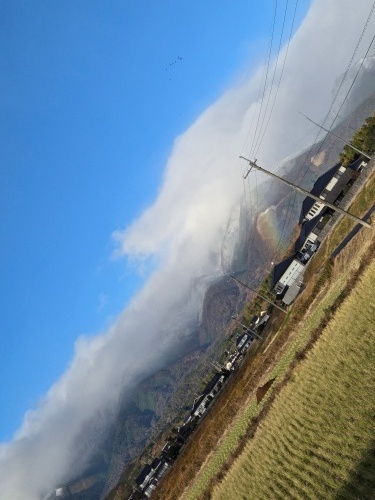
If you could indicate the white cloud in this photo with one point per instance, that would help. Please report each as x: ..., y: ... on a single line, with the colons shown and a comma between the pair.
x: 182, y: 230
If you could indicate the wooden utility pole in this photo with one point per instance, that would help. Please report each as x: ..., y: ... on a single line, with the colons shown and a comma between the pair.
x: 261, y: 296
x: 304, y: 191
x: 337, y: 137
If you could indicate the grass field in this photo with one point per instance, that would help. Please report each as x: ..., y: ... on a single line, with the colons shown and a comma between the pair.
x: 214, y: 447
x: 318, y: 302
x: 232, y: 424
x: 318, y: 438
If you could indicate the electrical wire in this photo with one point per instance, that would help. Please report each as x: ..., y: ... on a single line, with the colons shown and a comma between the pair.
x: 281, y: 75
x: 263, y: 85
x: 258, y: 139
x: 331, y: 107
x: 334, y: 100
x: 290, y: 212
x: 265, y: 79
x: 256, y: 147
x: 354, y: 80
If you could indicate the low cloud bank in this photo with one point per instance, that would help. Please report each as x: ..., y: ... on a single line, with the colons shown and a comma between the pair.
x: 183, y: 231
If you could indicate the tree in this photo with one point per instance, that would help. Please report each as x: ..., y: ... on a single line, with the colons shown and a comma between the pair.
x: 363, y: 139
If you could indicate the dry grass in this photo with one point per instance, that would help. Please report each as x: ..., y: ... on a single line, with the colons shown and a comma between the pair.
x: 297, y: 335
x: 214, y: 426
x: 221, y: 437
x: 228, y: 429
x: 317, y: 440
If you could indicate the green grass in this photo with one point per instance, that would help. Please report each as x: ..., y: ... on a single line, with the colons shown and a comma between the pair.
x: 190, y: 480
x: 317, y: 441
x: 331, y: 292
x: 235, y: 433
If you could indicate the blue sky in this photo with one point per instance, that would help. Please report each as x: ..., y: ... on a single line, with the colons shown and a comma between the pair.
x: 121, y: 129
x: 93, y: 95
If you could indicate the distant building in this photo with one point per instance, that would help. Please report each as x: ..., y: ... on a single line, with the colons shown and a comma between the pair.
x: 243, y: 341
x: 309, y: 238
x: 288, y: 275
x: 258, y: 322
x: 332, y: 186
x: 148, y: 478
x: 144, y: 476
x: 210, y: 391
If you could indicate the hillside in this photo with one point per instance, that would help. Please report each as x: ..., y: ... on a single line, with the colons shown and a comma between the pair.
x: 201, y: 466
x: 317, y: 440
x: 263, y: 237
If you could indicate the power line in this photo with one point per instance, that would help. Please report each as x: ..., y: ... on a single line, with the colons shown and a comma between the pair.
x: 309, y: 151
x: 266, y: 77
x: 258, y: 144
x: 262, y: 296
x: 261, y: 133
x: 307, y: 193
x: 335, y: 97
x: 272, y: 80
x: 287, y: 219
x: 281, y: 75
x: 342, y: 140
x: 355, y: 78
x: 247, y: 328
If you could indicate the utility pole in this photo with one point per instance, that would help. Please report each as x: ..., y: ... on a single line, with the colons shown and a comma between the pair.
x: 261, y: 296
x: 217, y: 366
x: 246, y: 328
x: 307, y: 193
x: 337, y: 137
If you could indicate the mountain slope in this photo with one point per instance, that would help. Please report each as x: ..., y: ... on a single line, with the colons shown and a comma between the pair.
x: 261, y: 238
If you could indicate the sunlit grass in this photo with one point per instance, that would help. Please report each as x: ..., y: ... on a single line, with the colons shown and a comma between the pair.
x: 237, y: 429
x: 354, y: 253
x: 321, y: 426
x: 190, y: 479
x: 233, y: 436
